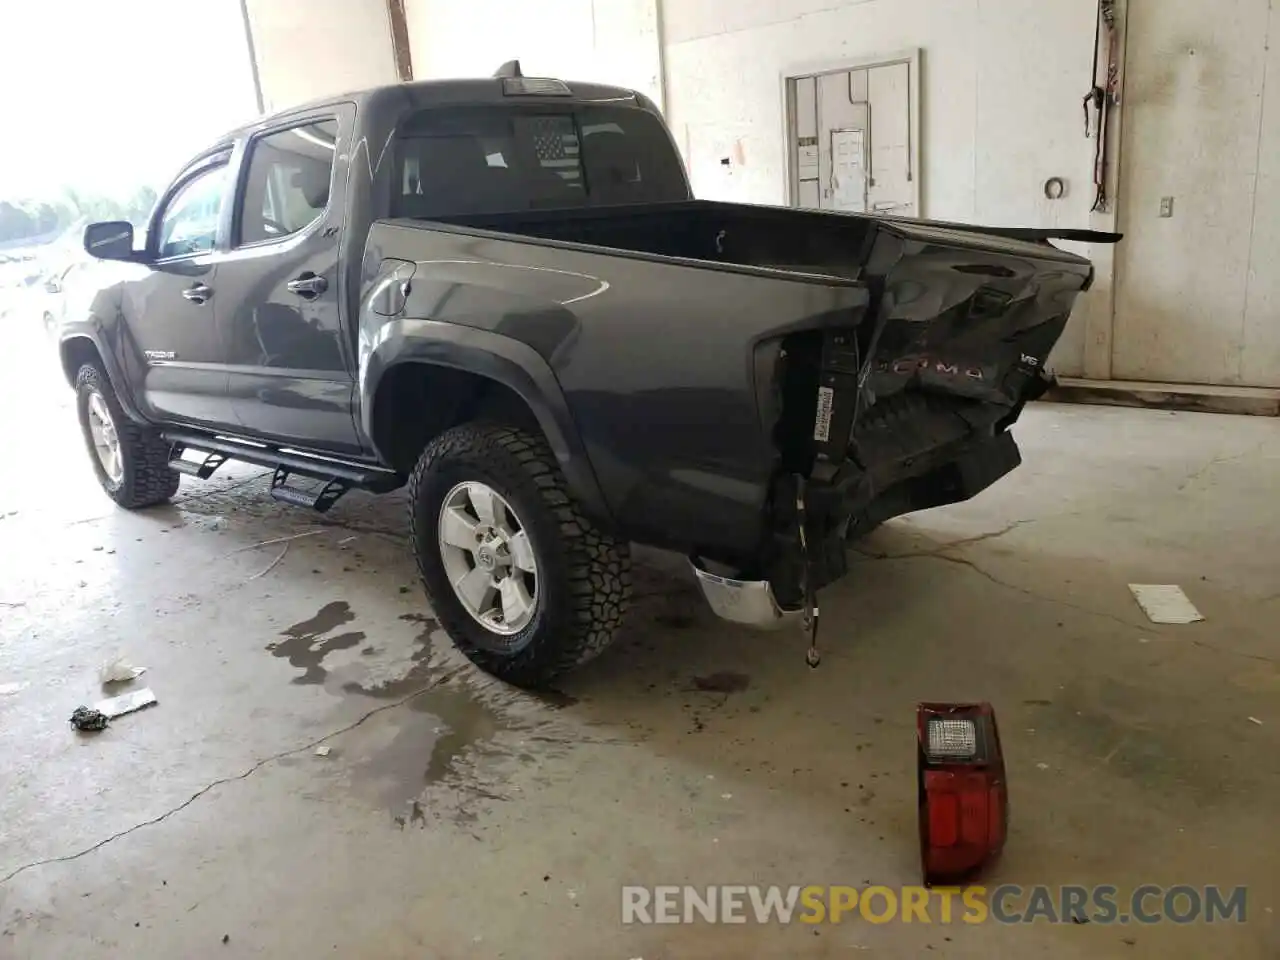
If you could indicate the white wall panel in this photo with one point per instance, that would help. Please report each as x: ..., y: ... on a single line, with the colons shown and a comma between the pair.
x: 307, y: 49
x: 608, y: 41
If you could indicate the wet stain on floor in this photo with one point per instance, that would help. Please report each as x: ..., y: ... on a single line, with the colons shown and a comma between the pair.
x: 725, y: 681
x: 305, y: 644
x: 439, y: 722
x: 440, y: 727
x: 557, y: 699
x: 420, y: 674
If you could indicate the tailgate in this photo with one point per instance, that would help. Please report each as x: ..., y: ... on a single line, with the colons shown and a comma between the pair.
x: 967, y: 312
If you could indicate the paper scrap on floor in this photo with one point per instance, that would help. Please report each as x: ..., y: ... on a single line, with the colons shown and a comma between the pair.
x: 1165, y: 603
x: 126, y: 703
x: 119, y: 671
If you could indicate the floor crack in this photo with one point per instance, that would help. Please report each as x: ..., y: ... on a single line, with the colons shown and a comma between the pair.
x: 967, y: 541
x: 1218, y: 461
x: 240, y: 776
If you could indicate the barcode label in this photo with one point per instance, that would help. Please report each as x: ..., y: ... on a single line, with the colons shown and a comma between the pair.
x: 822, y: 422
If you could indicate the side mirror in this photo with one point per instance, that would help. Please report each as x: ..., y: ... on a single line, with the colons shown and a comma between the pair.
x: 110, y: 240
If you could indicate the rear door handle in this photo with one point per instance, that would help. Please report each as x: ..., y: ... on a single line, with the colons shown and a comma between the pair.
x: 308, y: 286
x: 198, y: 293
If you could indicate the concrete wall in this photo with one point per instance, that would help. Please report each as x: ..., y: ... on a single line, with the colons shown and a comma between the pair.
x: 609, y: 41
x: 314, y: 48
x: 1198, y: 294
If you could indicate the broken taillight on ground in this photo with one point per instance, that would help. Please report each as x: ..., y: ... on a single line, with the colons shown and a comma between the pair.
x: 964, y: 800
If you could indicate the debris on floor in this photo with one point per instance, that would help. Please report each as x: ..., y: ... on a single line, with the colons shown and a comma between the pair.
x: 1255, y: 720
x: 8, y: 689
x: 322, y: 751
x: 275, y: 540
x: 270, y: 566
x: 119, y: 670
x: 1165, y: 603
x: 82, y: 718
x: 126, y: 703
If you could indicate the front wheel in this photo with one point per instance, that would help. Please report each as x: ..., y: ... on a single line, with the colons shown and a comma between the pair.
x: 525, y: 585
x: 131, y: 461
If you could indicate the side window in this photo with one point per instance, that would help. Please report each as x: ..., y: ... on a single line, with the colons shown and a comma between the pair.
x: 287, y: 185
x: 189, y: 224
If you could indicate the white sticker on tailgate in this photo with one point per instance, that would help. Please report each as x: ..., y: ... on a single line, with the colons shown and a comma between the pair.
x: 822, y: 422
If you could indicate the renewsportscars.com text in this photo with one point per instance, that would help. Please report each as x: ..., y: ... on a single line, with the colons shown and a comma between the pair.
x: 1005, y: 904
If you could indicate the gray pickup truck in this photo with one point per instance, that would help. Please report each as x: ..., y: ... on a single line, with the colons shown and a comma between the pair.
x: 502, y: 293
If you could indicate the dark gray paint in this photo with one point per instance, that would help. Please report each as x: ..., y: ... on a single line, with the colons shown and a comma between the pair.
x: 646, y: 364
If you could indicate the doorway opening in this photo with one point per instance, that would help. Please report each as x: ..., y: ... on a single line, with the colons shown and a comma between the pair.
x: 853, y: 136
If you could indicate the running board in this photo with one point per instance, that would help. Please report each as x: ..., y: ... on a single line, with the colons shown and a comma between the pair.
x: 218, y: 450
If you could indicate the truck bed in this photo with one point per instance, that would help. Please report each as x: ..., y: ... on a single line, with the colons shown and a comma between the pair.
x: 803, y: 241
x: 707, y: 350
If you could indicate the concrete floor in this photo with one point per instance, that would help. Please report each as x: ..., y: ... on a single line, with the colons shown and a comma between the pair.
x: 455, y: 817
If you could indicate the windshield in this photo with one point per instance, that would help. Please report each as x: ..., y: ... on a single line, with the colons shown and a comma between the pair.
x: 474, y: 160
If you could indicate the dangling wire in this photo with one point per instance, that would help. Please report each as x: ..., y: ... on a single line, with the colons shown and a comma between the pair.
x: 1102, y: 99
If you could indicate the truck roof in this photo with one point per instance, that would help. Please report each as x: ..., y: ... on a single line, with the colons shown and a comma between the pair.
x: 425, y: 94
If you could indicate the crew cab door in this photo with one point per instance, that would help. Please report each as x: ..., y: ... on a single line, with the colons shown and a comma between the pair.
x: 170, y: 310
x: 291, y: 376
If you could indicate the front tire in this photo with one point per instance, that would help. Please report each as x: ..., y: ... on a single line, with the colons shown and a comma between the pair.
x: 526, y: 550
x: 131, y: 461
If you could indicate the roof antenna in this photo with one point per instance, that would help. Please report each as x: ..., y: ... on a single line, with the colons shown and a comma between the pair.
x: 509, y: 69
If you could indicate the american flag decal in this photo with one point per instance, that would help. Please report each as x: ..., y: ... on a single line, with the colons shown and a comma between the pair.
x: 555, y: 142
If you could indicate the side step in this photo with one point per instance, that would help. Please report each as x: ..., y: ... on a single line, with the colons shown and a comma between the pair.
x: 337, y: 477
x: 204, y: 469
x: 319, y: 500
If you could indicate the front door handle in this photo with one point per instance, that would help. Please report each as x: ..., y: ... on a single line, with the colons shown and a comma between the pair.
x: 308, y: 286
x: 198, y: 293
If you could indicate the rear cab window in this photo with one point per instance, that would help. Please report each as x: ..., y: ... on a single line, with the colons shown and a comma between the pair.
x: 475, y: 160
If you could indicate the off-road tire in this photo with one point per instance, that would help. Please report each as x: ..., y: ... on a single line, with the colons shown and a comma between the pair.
x: 147, y: 479
x: 584, y: 575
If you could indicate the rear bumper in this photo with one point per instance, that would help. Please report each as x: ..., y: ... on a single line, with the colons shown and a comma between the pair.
x: 749, y: 602
x: 973, y: 471
x: 839, y: 511
x: 853, y: 500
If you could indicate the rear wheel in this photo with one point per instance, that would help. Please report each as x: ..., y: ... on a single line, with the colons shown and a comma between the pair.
x: 131, y: 461
x: 525, y: 585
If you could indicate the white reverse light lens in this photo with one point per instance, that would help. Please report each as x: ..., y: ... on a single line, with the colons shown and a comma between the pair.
x: 952, y: 739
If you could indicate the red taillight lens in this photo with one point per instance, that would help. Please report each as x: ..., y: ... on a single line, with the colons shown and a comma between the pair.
x: 964, y: 802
